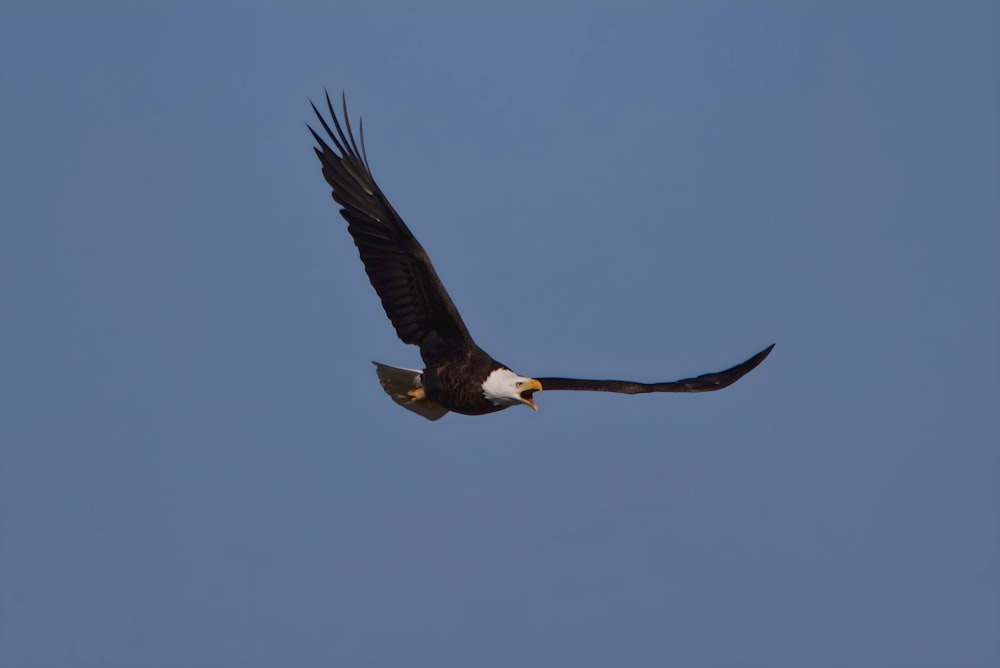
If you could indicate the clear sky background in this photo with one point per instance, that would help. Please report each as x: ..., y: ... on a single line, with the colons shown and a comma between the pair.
x: 197, y: 464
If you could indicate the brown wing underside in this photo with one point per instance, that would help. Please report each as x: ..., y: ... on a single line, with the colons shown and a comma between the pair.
x: 397, y: 266
x: 703, y: 383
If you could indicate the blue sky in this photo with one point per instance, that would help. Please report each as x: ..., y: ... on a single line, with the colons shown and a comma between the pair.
x: 198, y: 467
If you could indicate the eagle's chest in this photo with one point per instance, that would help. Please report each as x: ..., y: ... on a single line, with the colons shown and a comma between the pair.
x: 459, y: 388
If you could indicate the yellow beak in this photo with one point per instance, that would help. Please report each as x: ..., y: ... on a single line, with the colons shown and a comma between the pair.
x: 533, y: 386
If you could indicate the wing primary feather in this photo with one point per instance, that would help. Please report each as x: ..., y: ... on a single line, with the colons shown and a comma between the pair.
x: 319, y: 140
x: 350, y: 133
x: 398, y: 268
x: 326, y: 127
x: 707, y: 382
x: 336, y: 122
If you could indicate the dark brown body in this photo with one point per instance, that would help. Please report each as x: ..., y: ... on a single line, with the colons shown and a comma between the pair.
x: 447, y: 382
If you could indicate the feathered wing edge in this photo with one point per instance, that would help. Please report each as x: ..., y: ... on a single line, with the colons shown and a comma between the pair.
x: 704, y: 383
x: 412, y: 295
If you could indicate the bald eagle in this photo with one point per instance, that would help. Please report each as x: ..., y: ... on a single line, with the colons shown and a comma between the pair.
x: 458, y: 376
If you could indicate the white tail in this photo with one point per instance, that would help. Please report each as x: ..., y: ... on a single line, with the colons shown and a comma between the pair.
x: 405, y: 388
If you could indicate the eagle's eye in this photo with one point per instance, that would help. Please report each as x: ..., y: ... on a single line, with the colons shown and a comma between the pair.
x: 518, y: 384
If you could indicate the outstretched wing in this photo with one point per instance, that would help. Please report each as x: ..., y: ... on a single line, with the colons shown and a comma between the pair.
x: 398, y: 267
x: 703, y: 383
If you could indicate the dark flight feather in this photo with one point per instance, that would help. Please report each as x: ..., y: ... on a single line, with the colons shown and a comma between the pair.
x: 703, y: 383
x: 397, y: 266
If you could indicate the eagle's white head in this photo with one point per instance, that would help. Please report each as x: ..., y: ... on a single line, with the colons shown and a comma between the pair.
x: 503, y: 387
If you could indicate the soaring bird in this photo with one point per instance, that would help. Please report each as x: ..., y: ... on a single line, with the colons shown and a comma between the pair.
x: 458, y: 375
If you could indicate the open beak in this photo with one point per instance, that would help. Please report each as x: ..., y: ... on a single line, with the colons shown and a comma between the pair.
x: 526, y: 395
